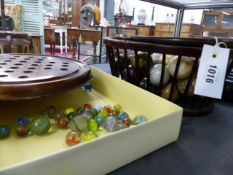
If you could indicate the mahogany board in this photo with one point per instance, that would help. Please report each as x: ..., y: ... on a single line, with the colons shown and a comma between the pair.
x: 34, y: 76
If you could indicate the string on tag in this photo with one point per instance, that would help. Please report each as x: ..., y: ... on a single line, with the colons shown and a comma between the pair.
x: 217, y: 46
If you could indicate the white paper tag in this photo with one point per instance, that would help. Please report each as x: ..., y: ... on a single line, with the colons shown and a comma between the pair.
x: 212, y: 71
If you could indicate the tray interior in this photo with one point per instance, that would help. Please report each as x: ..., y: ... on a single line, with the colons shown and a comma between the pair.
x: 106, y: 90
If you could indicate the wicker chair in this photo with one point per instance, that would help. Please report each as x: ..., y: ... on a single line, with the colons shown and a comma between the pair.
x: 131, y: 59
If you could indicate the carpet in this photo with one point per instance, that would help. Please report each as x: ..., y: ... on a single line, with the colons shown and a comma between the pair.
x: 67, y: 54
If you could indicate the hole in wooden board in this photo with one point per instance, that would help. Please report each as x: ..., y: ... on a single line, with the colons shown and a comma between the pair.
x: 14, y: 67
x: 23, y: 61
x: 23, y: 77
x: 18, y: 64
x: 34, y: 65
x: 9, y: 71
x: 38, y: 62
x: 27, y: 71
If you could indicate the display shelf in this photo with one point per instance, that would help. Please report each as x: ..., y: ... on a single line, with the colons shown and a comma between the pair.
x: 49, y: 155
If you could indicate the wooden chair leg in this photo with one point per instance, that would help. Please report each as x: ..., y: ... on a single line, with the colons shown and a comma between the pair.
x: 27, y: 46
x: 14, y: 48
x: 23, y: 48
x: 73, y: 48
x: 50, y: 48
x: 53, y: 48
x: 1, y: 47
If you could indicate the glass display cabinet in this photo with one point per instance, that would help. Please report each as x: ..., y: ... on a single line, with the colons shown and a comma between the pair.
x: 227, y: 22
x: 218, y: 22
x: 211, y: 21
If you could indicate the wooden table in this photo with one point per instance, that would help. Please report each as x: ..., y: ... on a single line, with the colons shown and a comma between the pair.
x: 10, y: 42
x: 76, y: 34
x: 61, y: 30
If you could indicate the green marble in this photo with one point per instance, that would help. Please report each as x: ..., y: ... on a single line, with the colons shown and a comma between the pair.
x: 92, y: 125
x: 40, y: 125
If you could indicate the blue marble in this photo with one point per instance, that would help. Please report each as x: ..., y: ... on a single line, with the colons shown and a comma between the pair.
x: 4, y: 131
x: 23, y: 121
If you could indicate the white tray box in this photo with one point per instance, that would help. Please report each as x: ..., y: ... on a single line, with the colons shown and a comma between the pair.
x: 49, y: 155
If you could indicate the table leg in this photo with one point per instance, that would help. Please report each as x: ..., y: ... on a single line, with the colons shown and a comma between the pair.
x: 73, y: 48
x: 94, y: 52
x: 66, y: 41
x: 61, y: 47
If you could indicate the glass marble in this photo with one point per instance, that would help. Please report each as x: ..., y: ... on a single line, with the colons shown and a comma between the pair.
x: 4, y: 131
x: 93, y: 111
x: 78, y: 123
x: 122, y: 116
x: 87, y: 115
x: 139, y: 119
x: 87, y: 87
x: 108, y: 108
x: 87, y: 106
x: 40, y: 126
x: 59, y: 115
x: 73, y: 138
x: 103, y: 113
x: 110, y: 123
x: 70, y: 115
x: 121, y: 126
x: 23, y: 121
x: 127, y: 121
x: 79, y: 110
x: 22, y: 130
x: 115, y: 113
x: 68, y: 110
x: 50, y: 111
x: 99, y: 119
x: 89, y: 136
x: 63, y: 123
x: 117, y: 107
x: 92, y: 125
x: 97, y: 106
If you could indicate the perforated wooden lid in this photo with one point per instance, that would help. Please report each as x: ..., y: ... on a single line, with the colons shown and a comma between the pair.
x: 30, y: 76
